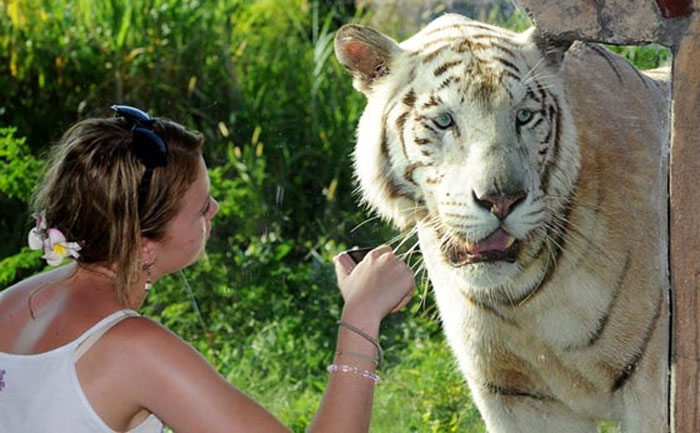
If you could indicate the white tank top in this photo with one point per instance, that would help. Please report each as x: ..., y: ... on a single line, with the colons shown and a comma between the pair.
x: 41, y: 394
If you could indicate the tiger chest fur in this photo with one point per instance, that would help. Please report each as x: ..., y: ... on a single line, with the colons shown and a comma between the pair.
x: 534, y: 173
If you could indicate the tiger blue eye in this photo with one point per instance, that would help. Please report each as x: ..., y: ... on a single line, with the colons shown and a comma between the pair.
x: 524, y: 115
x: 444, y: 120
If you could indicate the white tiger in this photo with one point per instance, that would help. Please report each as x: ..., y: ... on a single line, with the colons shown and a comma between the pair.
x: 534, y: 172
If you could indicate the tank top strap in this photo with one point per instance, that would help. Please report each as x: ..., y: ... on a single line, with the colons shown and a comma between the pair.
x: 90, y: 337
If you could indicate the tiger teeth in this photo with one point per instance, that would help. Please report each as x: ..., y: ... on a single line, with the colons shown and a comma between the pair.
x: 511, y: 241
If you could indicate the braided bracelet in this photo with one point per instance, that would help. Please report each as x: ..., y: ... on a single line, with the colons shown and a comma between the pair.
x: 361, y: 333
x: 359, y: 355
x: 342, y: 368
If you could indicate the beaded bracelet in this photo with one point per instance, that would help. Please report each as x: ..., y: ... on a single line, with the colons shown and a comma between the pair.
x: 361, y: 333
x: 342, y: 368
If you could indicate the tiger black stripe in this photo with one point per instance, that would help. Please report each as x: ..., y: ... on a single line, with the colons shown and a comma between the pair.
x: 508, y: 64
x: 438, y: 30
x: 505, y: 87
x: 422, y: 141
x: 393, y: 190
x: 410, y: 99
x: 481, y: 26
x: 432, y: 102
x: 631, y: 366
x: 509, y: 74
x: 558, y: 246
x: 434, y: 42
x: 549, y: 115
x: 508, y: 51
x: 447, y: 81
x: 428, y: 127
x: 640, y: 76
x: 534, y: 257
x: 606, y: 55
x: 429, y: 57
x: 603, y: 321
x: 496, y: 45
x: 446, y: 67
x: 408, y: 173
x: 490, y: 309
x: 535, y: 213
x: 540, y: 120
x: 493, y: 37
x: 531, y: 94
x: 400, y: 126
x: 468, y: 46
x: 540, y: 89
x: 467, y: 26
x: 555, y: 145
x: 508, y: 391
x: 548, y: 136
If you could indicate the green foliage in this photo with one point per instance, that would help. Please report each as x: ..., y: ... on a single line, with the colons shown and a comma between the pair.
x: 20, y: 170
x: 19, y: 265
x: 644, y: 57
x: 436, y: 397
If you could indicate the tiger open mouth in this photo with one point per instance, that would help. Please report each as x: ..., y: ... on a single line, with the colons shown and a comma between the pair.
x: 498, y: 246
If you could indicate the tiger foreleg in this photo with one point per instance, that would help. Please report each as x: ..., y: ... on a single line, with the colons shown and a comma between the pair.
x: 522, y: 414
x: 644, y: 396
x: 645, y: 409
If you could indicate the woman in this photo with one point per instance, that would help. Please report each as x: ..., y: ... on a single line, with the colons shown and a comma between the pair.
x: 128, y: 198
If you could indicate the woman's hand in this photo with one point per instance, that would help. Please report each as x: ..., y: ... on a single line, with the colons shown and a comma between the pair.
x: 380, y: 284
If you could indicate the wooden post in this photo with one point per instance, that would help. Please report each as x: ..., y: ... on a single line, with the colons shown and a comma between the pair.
x: 685, y: 234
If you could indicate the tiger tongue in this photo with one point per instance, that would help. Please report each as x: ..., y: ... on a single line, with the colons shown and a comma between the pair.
x: 497, y: 241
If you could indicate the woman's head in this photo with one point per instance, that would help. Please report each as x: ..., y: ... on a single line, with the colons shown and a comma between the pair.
x: 90, y: 191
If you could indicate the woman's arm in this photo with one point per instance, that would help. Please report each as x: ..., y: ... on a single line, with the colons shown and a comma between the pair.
x: 380, y: 284
x: 143, y: 365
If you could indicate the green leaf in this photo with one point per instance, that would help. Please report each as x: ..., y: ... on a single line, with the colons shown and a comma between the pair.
x: 125, y: 25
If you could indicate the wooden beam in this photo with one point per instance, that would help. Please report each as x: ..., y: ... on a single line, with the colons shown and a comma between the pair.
x: 675, y: 8
x: 685, y: 234
x: 628, y: 22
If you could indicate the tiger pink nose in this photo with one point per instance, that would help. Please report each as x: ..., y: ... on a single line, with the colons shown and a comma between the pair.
x: 500, y: 205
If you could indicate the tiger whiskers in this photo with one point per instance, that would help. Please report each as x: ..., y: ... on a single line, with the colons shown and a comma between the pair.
x: 366, y: 221
x: 528, y: 76
x: 578, y: 243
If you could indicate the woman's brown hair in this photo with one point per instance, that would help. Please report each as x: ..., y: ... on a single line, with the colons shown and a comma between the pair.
x: 90, y: 192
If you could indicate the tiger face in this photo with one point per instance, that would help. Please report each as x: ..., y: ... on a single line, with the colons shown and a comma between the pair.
x: 467, y: 135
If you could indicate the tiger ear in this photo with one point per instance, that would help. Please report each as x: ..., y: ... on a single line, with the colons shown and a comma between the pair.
x: 365, y: 53
x: 552, y: 49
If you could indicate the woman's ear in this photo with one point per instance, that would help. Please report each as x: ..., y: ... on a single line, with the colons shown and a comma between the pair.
x: 148, y: 251
x: 365, y: 53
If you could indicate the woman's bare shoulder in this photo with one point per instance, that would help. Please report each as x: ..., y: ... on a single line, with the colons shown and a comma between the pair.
x: 144, y: 334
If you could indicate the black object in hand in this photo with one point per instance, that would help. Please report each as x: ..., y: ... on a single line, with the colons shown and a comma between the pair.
x: 358, y: 254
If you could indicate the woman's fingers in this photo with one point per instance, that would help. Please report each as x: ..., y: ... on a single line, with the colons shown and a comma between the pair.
x: 404, y: 301
x: 344, y: 265
x: 380, y: 284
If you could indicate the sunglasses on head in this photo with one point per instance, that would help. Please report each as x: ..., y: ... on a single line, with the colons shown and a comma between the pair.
x: 148, y: 147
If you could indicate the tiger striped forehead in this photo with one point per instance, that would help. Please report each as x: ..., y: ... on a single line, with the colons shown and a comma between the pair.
x: 483, y: 64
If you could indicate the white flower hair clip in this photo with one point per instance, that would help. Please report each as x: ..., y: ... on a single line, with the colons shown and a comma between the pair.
x: 52, y: 241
